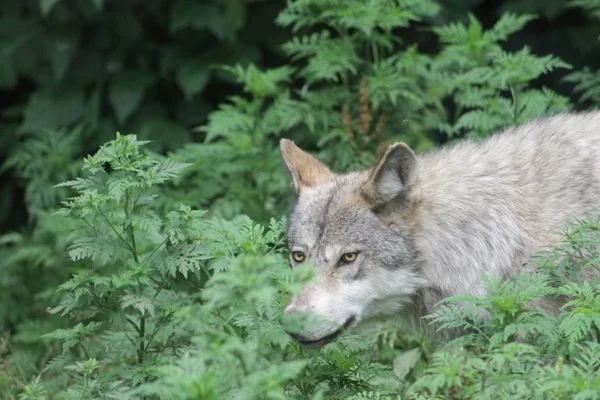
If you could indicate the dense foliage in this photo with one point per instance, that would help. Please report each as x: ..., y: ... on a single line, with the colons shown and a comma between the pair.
x: 152, y: 265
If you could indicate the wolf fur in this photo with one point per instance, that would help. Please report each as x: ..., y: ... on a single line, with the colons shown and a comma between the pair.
x: 428, y: 226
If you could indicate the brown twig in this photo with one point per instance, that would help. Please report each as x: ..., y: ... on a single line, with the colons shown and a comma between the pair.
x: 347, y: 121
x: 365, y: 109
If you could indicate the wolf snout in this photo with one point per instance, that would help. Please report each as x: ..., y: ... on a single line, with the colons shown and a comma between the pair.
x: 315, y: 340
x: 298, y: 307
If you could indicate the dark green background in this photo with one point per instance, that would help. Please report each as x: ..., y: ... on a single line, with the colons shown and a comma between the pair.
x: 144, y: 67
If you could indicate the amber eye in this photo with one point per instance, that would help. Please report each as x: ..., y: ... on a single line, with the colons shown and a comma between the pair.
x: 349, y: 257
x: 298, y: 256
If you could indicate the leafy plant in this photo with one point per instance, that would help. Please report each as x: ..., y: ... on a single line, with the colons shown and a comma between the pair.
x: 514, y: 351
x: 124, y: 298
x: 136, y: 325
x: 489, y: 86
x: 361, y: 89
x: 177, y: 305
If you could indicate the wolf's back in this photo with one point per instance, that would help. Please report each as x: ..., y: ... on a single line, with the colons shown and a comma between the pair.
x: 484, y: 207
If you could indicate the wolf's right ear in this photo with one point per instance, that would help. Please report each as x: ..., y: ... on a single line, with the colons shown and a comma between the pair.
x: 392, y: 174
x: 305, y: 169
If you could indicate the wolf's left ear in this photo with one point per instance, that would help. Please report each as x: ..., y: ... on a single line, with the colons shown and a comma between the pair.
x: 392, y: 174
x: 305, y: 169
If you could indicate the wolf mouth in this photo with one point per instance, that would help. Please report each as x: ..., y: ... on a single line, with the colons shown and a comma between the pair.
x: 325, y: 339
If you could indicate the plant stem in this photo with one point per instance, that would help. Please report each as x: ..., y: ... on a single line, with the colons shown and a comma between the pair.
x: 137, y: 329
x: 85, y: 351
x: 157, y: 248
x: 129, y: 229
x: 515, y: 108
x: 375, y: 53
x: 85, y: 386
x: 142, y: 349
x: 114, y: 229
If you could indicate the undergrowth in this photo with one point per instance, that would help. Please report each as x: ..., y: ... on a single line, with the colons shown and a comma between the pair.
x: 179, y: 305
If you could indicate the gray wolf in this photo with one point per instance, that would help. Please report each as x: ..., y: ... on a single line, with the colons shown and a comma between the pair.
x: 395, y: 239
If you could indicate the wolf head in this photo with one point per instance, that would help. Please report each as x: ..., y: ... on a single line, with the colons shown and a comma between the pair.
x: 352, y: 230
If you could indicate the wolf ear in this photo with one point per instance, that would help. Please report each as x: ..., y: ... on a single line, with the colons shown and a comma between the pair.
x: 392, y: 174
x: 305, y: 169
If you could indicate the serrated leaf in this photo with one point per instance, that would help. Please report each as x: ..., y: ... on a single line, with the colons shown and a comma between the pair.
x: 149, y: 222
x: 143, y: 304
x: 73, y: 336
x: 162, y: 172
x: 183, y: 259
x: 92, y: 248
x: 406, y: 361
x: 508, y: 24
x: 126, y: 91
x: 261, y: 83
x: 226, y: 122
x: 58, y: 362
x: 118, y: 186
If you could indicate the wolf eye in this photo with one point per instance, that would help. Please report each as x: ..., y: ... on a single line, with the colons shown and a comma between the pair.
x: 349, y: 257
x: 298, y: 256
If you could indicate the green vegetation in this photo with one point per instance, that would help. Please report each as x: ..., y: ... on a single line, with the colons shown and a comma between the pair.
x: 152, y: 265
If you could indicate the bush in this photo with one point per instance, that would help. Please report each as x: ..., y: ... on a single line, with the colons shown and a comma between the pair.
x: 177, y: 305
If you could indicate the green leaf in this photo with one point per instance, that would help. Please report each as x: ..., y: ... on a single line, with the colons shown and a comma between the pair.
x: 126, y: 91
x: 162, y: 172
x: 53, y: 107
x: 228, y: 121
x: 328, y: 58
x: 143, y: 304
x: 90, y: 248
x: 192, y: 76
x: 183, y: 259
x: 261, y: 83
x: 73, y: 336
x: 234, y: 15
x: 406, y: 361
x: 61, y: 49
x: 195, y: 15
x: 508, y: 24
x: 47, y: 5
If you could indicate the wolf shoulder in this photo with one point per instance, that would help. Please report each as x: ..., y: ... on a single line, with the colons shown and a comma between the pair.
x: 485, y: 206
x: 547, y: 156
